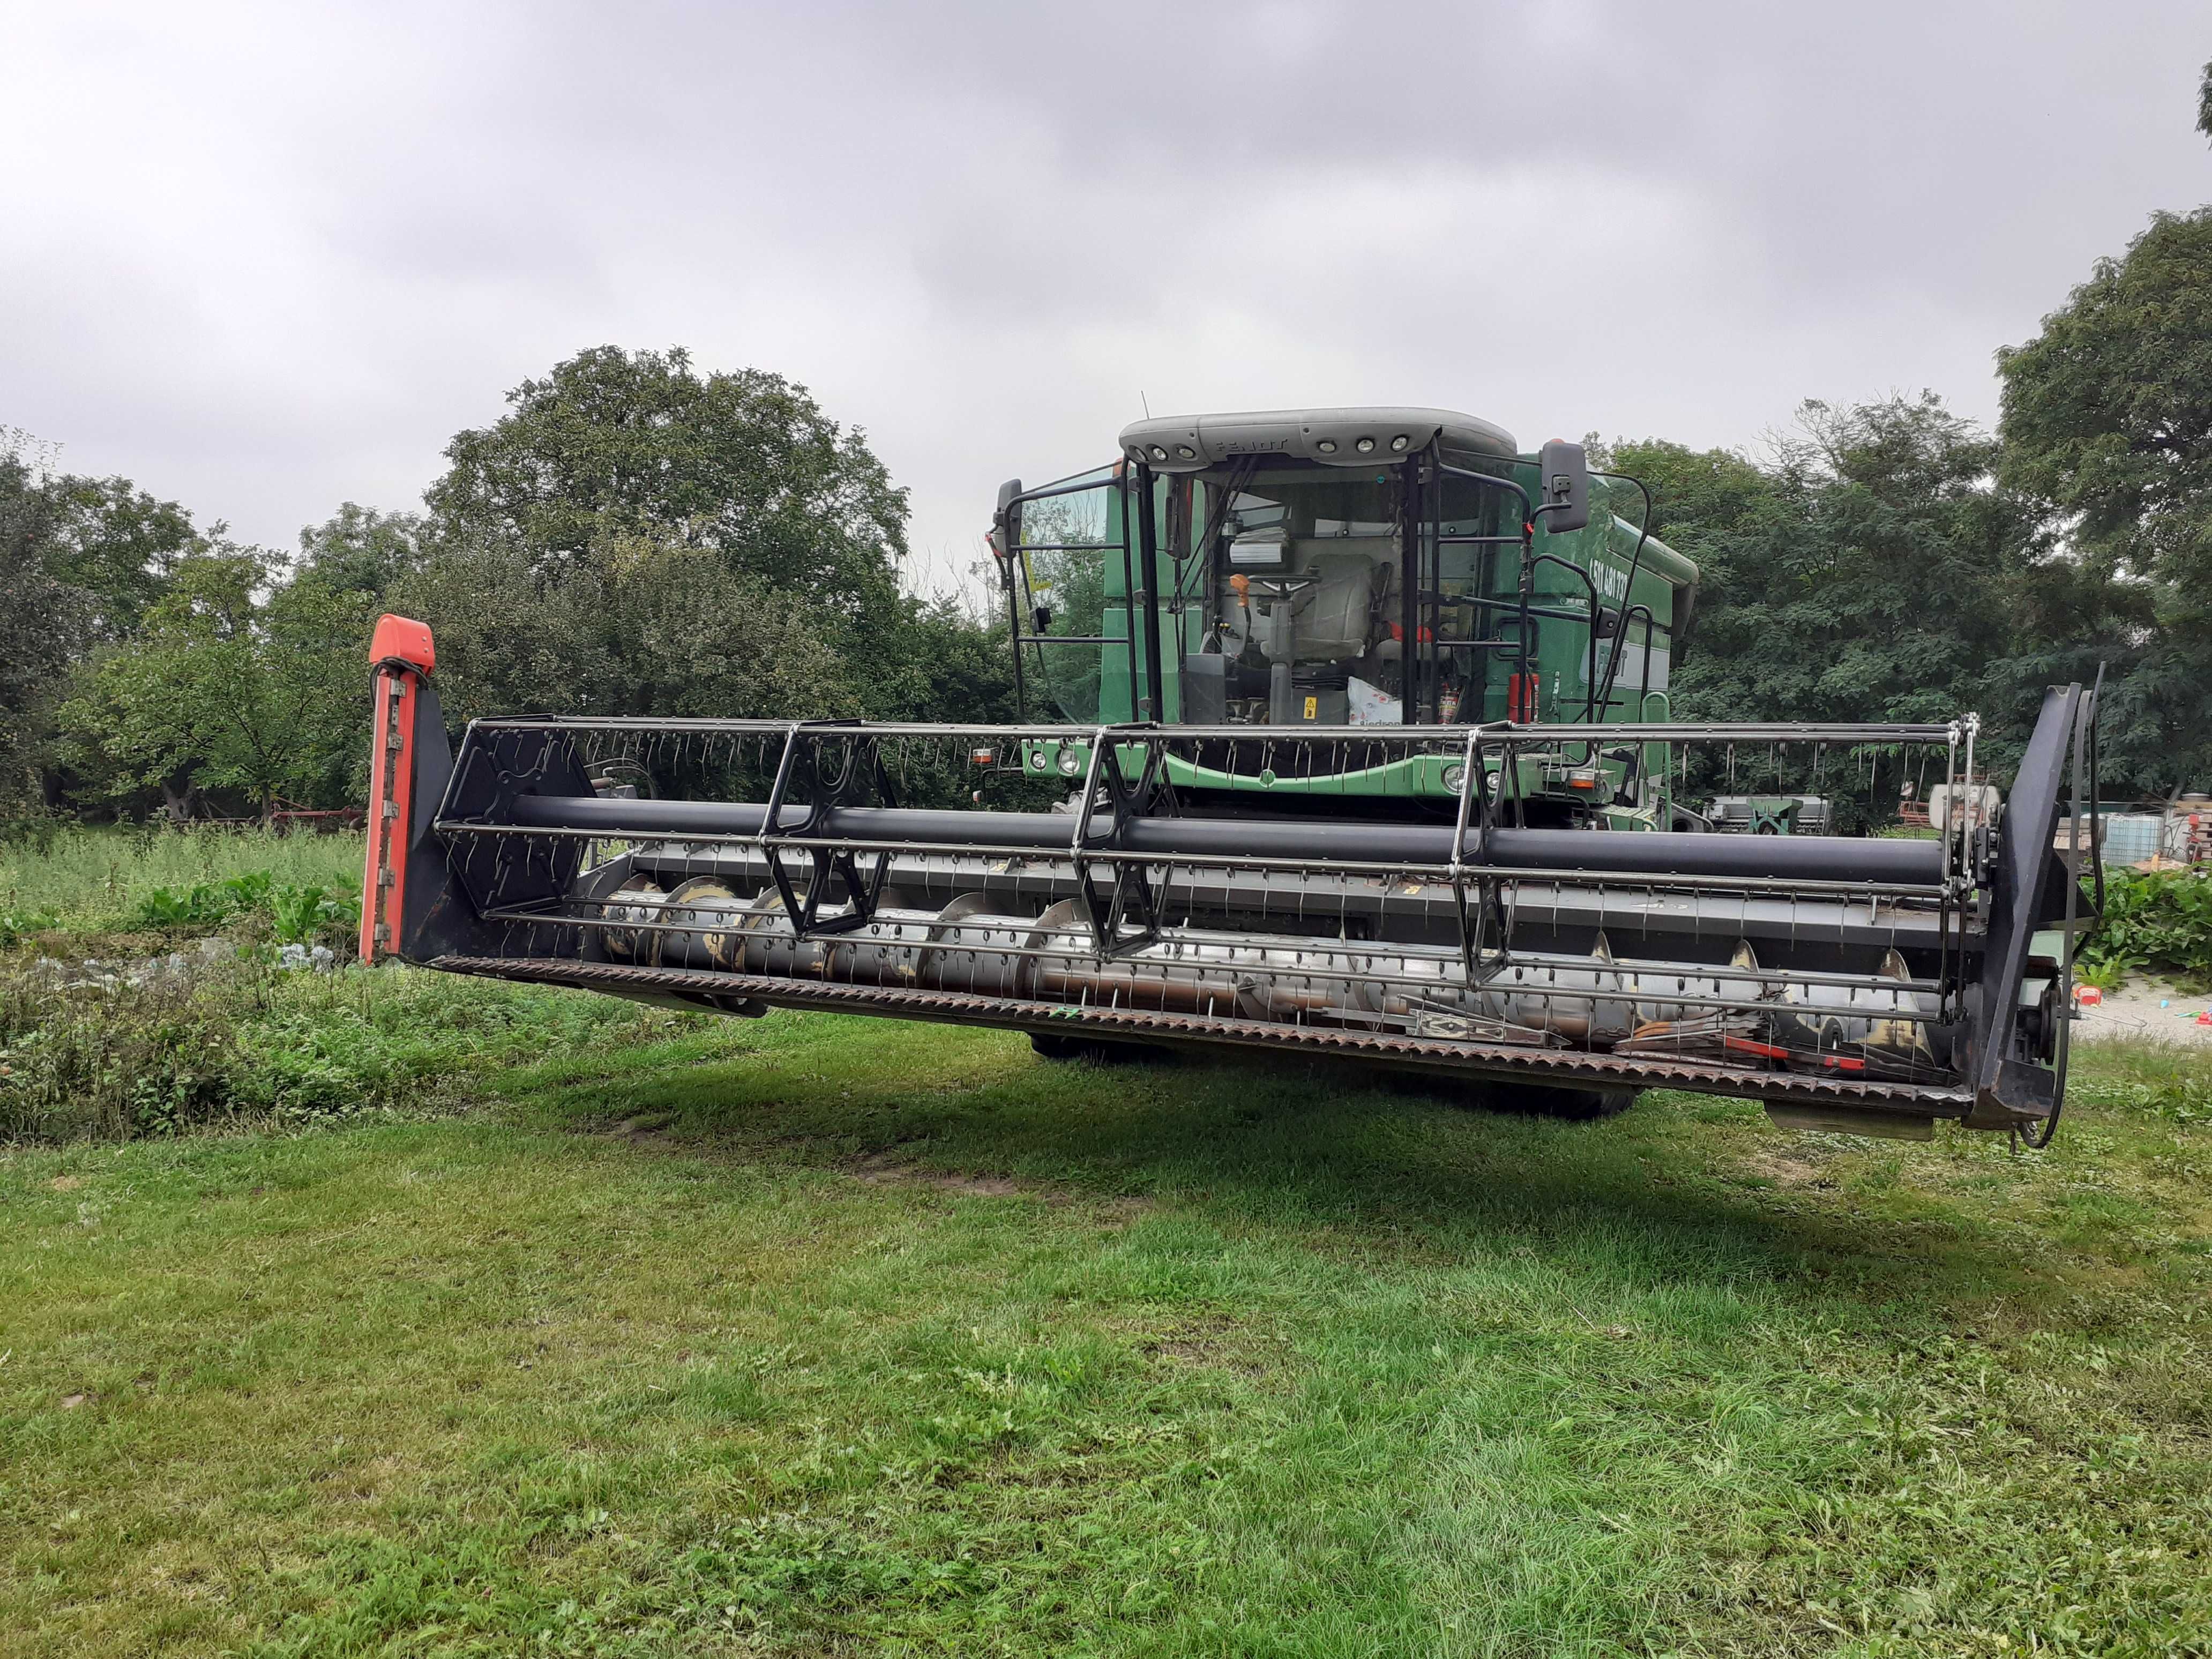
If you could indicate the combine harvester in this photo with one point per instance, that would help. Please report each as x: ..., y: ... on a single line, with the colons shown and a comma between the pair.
x: 1359, y: 746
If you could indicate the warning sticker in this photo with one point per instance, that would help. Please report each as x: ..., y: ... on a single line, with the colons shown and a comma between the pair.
x: 1313, y: 708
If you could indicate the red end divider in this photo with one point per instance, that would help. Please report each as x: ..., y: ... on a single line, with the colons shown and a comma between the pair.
x: 403, y: 656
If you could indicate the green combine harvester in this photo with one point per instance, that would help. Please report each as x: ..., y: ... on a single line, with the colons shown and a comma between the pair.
x: 1345, y: 732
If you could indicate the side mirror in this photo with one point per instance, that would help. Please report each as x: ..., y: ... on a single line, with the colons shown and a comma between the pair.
x: 1563, y: 480
x: 1006, y: 521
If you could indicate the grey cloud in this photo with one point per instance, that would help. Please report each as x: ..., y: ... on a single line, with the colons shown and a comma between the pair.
x: 270, y: 259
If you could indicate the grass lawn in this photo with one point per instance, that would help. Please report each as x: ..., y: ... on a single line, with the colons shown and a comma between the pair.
x: 817, y: 1336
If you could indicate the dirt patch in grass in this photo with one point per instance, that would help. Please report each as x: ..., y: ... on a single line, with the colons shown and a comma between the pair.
x: 1216, y: 1341
x: 880, y: 1170
x: 1790, y: 1166
x: 886, y: 1169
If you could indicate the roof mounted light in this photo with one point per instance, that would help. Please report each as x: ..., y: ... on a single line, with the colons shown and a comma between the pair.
x: 1326, y: 445
x: 1184, y: 452
x: 1398, y: 444
x: 1159, y: 451
x: 1365, y: 445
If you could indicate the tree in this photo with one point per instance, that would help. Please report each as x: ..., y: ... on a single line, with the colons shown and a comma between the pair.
x: 119, y: 544
x: 222, y: 688
x: 615, y: 446
x: 648, y: 630
x: 79, y: 561
x: 44, y: 622
x: 1713, y: 506
x: 1863, y: 577
x: 362, y: 550
x: 636, y: 538
x: 2107, y: 424
x: 952, y: 664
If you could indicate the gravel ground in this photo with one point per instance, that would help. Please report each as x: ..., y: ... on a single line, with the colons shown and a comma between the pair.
x: 2148, y: 1009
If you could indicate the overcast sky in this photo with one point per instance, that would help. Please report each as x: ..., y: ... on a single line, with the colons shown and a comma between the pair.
x: 267, y: 259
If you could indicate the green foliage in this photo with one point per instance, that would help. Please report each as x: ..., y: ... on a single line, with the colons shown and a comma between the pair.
x: 2108, y: 424
x: 1705, y: 503
x: 2156, y: 919
x: 34, y: 832
x: 296, y: 914
x: 16, y: 926
x: 80, y: 560
x: 301, y: 915
x: 166, y: 1044
x: 1868, y: 573
x: 206, y: 905
x: 636, y: 538
x: 946, y: 663
x: 119, y: 544
x: 661, y: 630
x: 2105, y: 974
x: 92, y: 883
x: 1854, y: 580
x: 44, y: 621
x: 615, y: 449
x: 362, y: 550
x: 237, y: 680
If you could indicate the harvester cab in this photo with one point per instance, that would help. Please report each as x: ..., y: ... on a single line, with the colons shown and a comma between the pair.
x: 1358, y: 568
x: 1343, y: 732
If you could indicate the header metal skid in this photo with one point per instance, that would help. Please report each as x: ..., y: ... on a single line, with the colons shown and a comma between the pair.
x: 1866, y: 984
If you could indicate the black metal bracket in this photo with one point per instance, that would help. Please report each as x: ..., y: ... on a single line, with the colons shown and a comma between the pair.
x: 861, y: 780
x: 1488, y: 907
x: 2007, y: 1091
x: 1133, y: 894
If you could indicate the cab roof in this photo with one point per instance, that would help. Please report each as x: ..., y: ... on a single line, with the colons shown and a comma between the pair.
x: 1325, y: 437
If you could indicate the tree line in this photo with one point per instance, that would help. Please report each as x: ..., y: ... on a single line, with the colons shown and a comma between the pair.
x: 1892, y: 561
x: 636, y: 537
x: 632, y: 536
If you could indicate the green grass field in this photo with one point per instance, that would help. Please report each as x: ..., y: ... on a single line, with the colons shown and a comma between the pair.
x: 815, y: 1335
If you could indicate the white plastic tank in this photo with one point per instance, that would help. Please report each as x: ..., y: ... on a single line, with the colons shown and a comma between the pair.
x: 2131, y: 837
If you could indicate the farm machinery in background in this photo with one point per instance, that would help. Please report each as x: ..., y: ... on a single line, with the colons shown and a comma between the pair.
x: 1343, y: 732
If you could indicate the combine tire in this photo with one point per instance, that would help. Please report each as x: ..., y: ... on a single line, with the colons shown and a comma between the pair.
x: 1097, y: 1050
x: 1542, y: 1100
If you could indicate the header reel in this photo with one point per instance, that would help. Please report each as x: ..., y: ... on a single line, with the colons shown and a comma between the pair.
x: 1869, y: 984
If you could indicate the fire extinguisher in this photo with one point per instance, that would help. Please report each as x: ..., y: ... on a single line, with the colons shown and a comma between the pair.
x: 1518, y: 707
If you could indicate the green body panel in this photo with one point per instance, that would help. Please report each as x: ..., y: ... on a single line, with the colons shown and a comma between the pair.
x: 1416, y: 775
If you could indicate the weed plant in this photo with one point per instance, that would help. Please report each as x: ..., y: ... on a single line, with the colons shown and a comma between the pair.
x: 2154, y: 919
x: 91, y: 883
x: 223, y: 1034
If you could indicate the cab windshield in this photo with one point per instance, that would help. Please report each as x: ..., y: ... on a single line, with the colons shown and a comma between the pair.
x: 1293, y: 580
